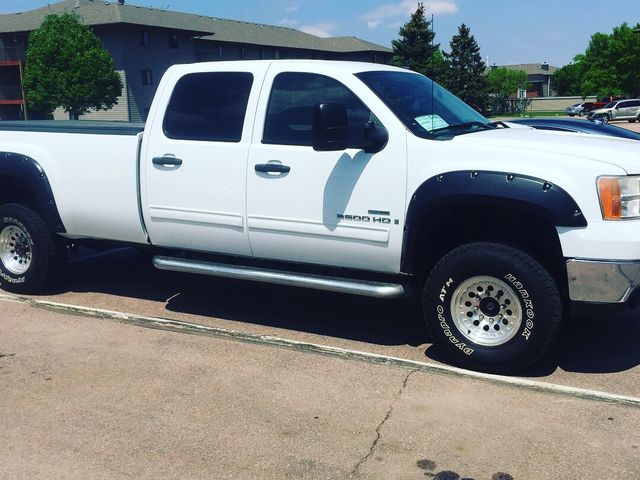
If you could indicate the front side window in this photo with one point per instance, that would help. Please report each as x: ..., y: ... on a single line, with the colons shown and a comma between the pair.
x: 209, y: 106
x: 294, y: 95
x: 425, y: 108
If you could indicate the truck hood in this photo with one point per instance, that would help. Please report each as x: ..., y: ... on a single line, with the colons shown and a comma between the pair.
x: 620, y: 152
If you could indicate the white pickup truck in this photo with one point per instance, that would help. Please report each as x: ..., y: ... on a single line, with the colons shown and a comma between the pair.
x: 351, y: 177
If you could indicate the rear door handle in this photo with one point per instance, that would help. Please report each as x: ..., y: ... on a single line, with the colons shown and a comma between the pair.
x: 272, y: 168
x: 167, y: 161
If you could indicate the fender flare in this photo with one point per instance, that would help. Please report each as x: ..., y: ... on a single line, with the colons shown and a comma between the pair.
x: 28, y: 170
x: 445, y: 191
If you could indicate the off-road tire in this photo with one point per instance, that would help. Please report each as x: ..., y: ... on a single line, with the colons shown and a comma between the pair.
x: 491, y: 307
x: 29, y: 259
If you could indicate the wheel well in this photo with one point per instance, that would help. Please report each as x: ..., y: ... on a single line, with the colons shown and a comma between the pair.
x: 17, y: 190
x: 466, y: 223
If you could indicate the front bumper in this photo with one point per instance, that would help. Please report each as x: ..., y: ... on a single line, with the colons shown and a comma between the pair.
x: 599, y: 281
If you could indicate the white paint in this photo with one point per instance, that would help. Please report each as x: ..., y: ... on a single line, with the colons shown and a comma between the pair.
x: 534, y: 385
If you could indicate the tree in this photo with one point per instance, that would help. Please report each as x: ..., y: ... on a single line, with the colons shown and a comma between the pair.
x: 567, y: 80
x: 67, y: 67
x: 504, y: 82
x: 611, y: 63
x: 415, y: 48
x: 464, y: 73
x: 609, y: 66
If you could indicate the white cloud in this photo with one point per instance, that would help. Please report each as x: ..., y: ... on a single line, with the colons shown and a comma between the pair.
x: 322, y: 29
x: 407, y: 7
x: 289, y: 22
x: 292, y: 8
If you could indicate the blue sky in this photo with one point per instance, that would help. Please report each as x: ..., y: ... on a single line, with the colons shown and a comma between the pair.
x: 508, y: 31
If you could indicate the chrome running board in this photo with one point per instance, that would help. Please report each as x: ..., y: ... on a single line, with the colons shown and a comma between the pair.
x: 291, y: 279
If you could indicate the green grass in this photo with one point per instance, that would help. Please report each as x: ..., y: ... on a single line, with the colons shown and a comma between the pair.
x: 529, y: 114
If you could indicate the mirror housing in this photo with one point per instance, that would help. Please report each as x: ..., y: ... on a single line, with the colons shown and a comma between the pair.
x: 330, y: 127
x: 375, y: 138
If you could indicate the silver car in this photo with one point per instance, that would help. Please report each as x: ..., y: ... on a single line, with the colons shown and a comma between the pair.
x: 618, y: 110
x: 575, y: 109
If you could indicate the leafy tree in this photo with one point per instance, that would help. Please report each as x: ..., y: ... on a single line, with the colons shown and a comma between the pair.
x: 611, y: 63
x: 609, y: 66
x: 567, y: 80
x: 67, y: 67
x: 464, y: 73
x: 415, y: 48
x: 504, y: 82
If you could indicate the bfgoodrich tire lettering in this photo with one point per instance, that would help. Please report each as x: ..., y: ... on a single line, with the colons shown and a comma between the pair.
x: 28, y: 257
x: 491, y: 307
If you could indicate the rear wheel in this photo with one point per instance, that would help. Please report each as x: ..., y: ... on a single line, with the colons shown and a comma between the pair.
x: 491, y: 307
x: 28, y: 255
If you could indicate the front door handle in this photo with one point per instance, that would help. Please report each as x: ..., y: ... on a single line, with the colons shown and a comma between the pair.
x: 272, y: 168
x: 167, y: 161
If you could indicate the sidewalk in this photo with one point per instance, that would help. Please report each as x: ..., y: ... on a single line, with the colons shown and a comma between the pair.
x: 91, y: 398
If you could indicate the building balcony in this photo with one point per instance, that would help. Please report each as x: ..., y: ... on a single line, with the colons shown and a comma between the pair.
x: 11, y: 55
x: 10, y: 95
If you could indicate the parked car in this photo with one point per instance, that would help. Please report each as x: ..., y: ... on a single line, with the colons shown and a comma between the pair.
x: 618, y: 110
x: 575, y: 109
x: 350, y: 177
x: 595, y: 127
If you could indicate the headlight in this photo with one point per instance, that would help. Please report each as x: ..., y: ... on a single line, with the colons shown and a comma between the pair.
x: 619, y: 197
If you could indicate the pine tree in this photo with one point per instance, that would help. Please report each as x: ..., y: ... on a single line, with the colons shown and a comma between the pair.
x: 464, y: 73
x: 415, y: 48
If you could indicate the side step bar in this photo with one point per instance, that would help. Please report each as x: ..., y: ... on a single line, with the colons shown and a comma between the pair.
x: 318, y: 282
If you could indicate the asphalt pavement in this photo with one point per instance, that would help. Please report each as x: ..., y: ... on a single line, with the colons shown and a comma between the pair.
x: 102, y: 397
x: 123, y: 371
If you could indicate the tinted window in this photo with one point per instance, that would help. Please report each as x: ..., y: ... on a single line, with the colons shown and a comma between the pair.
x: 426, y: 108
x: 208, y: 107
x: 290, y: 112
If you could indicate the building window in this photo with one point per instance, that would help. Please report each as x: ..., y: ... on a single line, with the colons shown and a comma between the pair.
x: 144, y: 38
x: 220, y: 51
x: 243, y: 52
x: 174, y: 41
x: 147, y: 77
x: 277, y: 55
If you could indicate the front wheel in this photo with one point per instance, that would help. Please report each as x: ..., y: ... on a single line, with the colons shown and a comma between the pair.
x: 491, y: 307
x: 28, y: 255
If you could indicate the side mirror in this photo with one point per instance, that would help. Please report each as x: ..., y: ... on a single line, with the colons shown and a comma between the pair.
x: 330, y: 127
x: 375, y: 138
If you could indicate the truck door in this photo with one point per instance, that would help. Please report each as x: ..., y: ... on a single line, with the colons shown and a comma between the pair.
x: 193, y: 184
x: 341, y: 208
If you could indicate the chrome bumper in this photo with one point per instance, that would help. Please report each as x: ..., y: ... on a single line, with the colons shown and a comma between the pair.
x: 602, y: 281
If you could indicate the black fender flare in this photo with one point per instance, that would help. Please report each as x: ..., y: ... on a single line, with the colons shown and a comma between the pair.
x: 447, y: 190
x: 15, y: 165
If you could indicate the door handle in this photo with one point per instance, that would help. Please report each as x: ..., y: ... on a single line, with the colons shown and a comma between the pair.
x: 272, y: 168
x: 167, y: 161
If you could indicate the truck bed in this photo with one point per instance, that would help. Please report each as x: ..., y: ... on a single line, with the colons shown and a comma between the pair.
x: 74, y: 126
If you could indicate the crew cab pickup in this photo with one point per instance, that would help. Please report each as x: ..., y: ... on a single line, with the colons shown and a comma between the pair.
x: 351, y: 177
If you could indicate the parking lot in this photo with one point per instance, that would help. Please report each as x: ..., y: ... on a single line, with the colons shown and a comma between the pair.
x: 128, y: 371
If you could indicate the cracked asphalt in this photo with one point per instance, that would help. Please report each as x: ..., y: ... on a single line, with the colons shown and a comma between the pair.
x: 90, y: 397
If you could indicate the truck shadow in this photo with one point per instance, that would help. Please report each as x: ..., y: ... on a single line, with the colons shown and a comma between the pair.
x: 598, y: 345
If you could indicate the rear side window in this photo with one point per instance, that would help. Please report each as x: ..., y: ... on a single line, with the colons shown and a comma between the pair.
x: 208, y: 107
x: 290, y: 111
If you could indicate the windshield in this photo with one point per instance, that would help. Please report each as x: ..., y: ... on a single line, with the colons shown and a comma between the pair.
x: 426, y: 109
x: 610, y: 105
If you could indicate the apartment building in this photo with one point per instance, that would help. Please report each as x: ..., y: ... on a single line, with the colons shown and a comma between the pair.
x: 144, y: 42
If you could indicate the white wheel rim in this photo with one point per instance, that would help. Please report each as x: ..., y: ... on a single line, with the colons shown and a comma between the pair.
x: 15, y: 249
x: 486, y: 311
